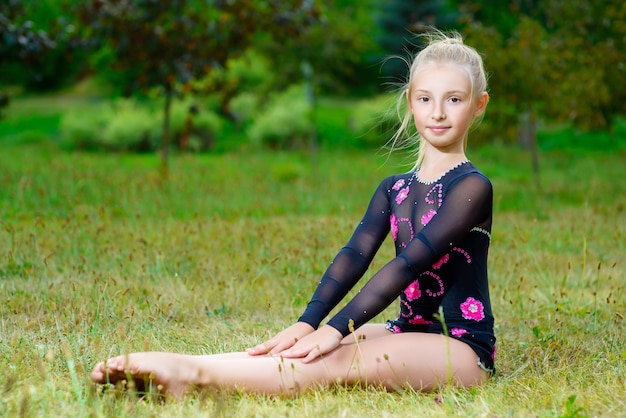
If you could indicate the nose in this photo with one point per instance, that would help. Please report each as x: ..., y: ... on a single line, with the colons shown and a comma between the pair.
x: 438, y: 113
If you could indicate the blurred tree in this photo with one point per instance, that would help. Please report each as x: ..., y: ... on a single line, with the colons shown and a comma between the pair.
x: 588, y: 40
x: 400, y: 21
x: 36, y: 45
x: 26, y: 51
x: 579, y: 58
x: 330, y: 56
x: 550, y: 61
x: 166, y: 44
x: 522, y: 74
x: 337, y: 48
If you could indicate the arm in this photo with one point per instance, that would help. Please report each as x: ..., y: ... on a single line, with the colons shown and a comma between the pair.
x: 353, y: 259
x: 467, y: 203
x: 347, y: 268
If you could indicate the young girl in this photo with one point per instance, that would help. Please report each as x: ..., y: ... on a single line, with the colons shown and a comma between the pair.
x: 439, y: 215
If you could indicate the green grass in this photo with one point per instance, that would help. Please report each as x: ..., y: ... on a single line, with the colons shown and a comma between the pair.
x: 98, y: 256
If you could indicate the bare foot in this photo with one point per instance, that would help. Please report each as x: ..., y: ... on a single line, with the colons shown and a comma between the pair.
x: 167, y: 373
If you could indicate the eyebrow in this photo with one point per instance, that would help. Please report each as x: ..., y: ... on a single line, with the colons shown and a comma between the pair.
x: 446, y: 93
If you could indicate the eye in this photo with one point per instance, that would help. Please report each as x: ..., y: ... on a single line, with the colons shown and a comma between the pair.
x: 422, y: 99
x: 455, y: 99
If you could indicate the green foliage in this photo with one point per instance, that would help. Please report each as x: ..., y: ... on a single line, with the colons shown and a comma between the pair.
x: 168, y: 44
x: 375, y: 120
x: 241, y: 85
x: 400, y: 21
x: 100, y: 128
x: 128, y: 127
x: 341, y: 58
x: 171, y: 42
x: 131, y: 125
x: 333, y: 123
x: 569, y: 137
x: 556, y: 60
x: 36, y: 49
x: 284, y: 122
x: 244, y: 106
x: 32, y: 129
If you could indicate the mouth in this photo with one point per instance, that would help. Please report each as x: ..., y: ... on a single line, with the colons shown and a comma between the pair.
x: 438, y: 129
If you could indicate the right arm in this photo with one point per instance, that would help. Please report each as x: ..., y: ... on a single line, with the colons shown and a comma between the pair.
x: 344, y: 272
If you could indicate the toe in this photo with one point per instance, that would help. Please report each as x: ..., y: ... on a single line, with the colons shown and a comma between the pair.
x: 97, y: 375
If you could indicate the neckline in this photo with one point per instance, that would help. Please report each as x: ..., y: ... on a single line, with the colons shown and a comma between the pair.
x: 419, y: 180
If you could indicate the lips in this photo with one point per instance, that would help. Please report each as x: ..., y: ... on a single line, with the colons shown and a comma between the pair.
x: 438, y: 129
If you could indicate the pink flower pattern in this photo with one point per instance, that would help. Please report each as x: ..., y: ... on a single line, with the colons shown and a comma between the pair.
x: 398, y: 185
x: 394, y: 226
x: 472, y: 309
x: 402, y: 195
x: 431, y: 199
x: 413, y: 291
x: 443, y: 260
x: 458, y: 332
x: 441, y: 290
x: 428, y: 216
x: 417, y: 319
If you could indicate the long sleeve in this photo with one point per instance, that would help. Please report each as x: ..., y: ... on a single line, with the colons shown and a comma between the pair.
x: 467, y: 203
x: 353, y: 259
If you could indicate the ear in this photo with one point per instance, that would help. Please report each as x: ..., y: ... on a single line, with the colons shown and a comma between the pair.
x: 407, y: 93
x: 481, y: 104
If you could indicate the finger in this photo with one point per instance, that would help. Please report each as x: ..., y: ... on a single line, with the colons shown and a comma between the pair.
x: 286, y: 345
x: 300, y: 351
x: 312, y: 355
x: 263, y: 348
x: 291, y: 353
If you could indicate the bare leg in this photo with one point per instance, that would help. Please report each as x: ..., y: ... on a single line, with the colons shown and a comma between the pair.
x: 421, y: 361
x: 366, y: 332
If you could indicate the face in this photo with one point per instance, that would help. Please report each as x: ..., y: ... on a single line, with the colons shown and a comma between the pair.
x: 443, y: 110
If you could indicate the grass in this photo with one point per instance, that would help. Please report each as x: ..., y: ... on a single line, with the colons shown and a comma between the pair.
x: 98, y: 256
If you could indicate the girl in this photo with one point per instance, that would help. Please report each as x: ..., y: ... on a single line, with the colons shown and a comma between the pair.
x: 439, y: 215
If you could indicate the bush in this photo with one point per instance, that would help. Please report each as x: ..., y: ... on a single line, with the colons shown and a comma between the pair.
x: 374, y: 121
x: 285, y: 122
x: 130, y: 128
x: 81, y: 128
x: 129, y: 125
x: 193, y: 126
x: 244, y: 106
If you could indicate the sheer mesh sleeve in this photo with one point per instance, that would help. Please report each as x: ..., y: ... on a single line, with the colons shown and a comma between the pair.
x: 467, y: 203
x: 353, y: 259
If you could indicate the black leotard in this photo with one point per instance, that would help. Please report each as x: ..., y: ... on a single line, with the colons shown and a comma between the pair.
x: 441, y: 231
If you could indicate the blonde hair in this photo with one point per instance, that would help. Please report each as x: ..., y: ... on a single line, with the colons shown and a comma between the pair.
x: 441, y: 48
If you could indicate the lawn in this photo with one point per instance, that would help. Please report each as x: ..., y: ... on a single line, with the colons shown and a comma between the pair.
x: 99, y: 256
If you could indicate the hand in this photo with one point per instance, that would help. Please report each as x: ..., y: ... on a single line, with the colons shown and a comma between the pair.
x: 314, y: 345
x: 283, y: 340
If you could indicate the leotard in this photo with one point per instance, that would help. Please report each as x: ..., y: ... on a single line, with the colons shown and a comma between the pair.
x: 441, y: 232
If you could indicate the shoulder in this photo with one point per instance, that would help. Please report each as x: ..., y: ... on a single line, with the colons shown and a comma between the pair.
x: 468, y: 173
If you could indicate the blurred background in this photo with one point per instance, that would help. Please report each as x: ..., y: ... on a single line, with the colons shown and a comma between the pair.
x: 223, y: 75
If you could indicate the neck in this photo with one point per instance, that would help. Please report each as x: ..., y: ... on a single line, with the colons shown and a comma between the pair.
x: 436, y: 164
x: 441, y: 161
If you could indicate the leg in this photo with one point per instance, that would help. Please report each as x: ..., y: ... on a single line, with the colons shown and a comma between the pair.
x: 421, y: 361
x: 366, y: 332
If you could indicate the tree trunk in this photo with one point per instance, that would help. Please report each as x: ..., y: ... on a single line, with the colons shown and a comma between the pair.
x: 527, y: 136
x: 534, y: 149
x: 309, y: 86
x: 165, y: 137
